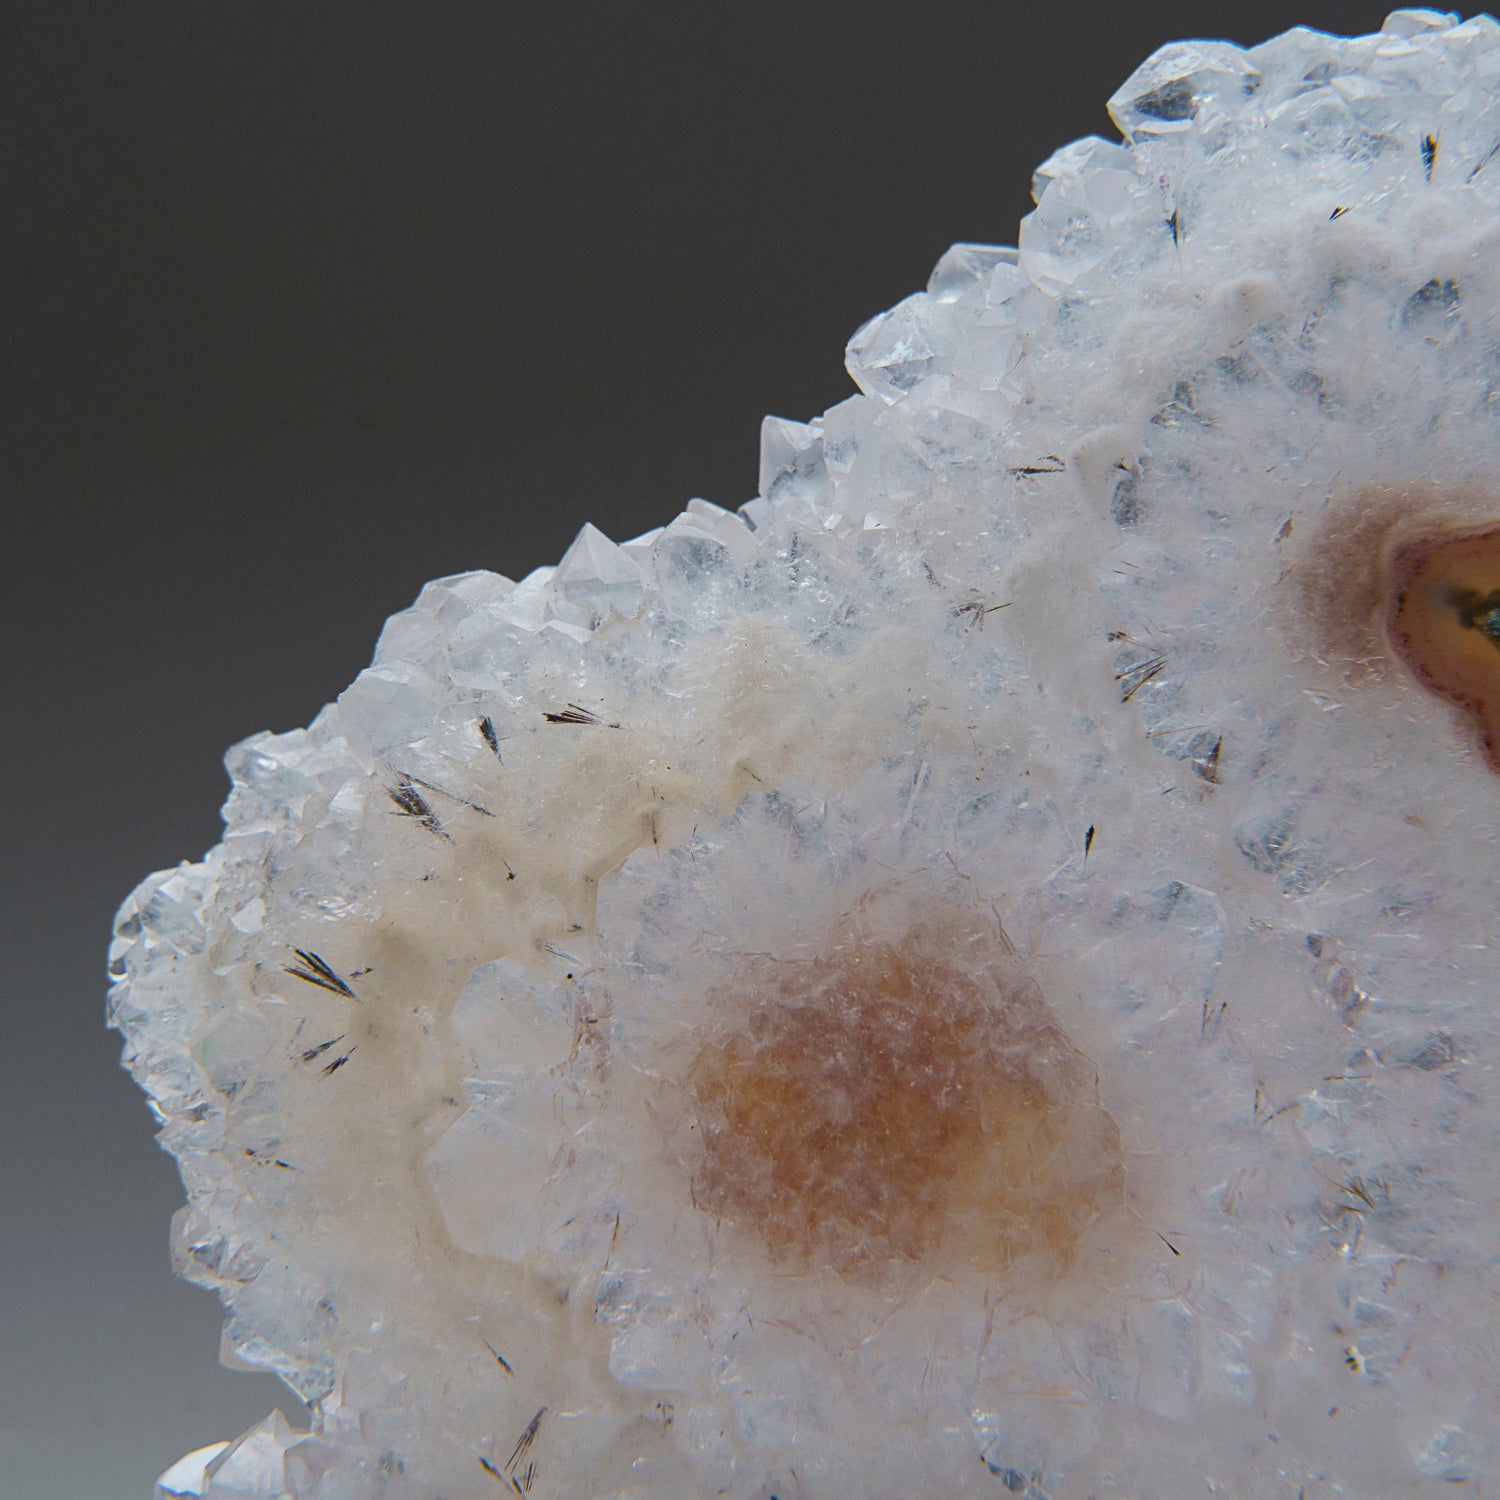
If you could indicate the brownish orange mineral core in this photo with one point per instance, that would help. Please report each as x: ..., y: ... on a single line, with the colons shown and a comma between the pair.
x: 1445, y: 623
x: 886, y: 1106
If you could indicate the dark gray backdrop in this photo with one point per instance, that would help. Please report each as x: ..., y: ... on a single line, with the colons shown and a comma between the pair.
x: 301, y: 306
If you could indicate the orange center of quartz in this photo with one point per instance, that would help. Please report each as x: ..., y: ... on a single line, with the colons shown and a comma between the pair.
x: 1445, y: 623
x: 884, y: 1107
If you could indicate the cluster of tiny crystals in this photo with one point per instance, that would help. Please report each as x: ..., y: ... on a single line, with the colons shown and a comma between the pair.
x: 972, y: 975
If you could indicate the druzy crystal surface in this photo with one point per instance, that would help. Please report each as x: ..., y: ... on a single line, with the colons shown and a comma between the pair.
x: 972, y: 976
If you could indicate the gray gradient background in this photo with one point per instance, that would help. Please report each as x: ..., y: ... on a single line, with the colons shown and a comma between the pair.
x: 302, y: 307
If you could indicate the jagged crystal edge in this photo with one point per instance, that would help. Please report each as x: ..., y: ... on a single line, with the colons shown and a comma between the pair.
x: 1287, y: 270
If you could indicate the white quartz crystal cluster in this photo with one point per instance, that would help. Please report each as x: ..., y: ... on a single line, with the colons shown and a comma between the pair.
x: 1040, y: 628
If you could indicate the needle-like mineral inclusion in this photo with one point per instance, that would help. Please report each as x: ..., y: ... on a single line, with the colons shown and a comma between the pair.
x: 972, y: 976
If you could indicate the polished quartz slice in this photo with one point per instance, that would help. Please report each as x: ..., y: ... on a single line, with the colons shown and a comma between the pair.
x: 970, y: 975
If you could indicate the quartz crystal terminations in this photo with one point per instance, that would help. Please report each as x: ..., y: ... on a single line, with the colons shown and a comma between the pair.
x: 972, y: 976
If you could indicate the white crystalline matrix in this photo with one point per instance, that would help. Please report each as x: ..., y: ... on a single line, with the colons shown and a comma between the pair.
x: 973, y: 976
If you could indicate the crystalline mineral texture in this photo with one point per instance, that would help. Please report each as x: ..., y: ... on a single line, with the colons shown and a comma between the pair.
x: 972, y: 976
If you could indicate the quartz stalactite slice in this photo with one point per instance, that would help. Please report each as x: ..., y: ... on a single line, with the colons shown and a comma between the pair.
x: 972, y: 975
